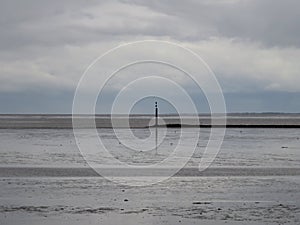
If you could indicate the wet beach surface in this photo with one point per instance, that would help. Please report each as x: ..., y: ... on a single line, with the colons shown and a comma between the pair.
x: 187, y: 200
x: 254, y: 179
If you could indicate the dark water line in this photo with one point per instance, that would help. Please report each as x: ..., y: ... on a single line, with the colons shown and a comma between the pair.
x: 123, y: 172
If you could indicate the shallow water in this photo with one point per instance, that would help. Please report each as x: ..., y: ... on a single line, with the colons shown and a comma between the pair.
x: 241, y: 147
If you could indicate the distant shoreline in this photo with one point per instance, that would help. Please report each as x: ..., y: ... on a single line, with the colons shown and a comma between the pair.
x: 230, y: 126
x: 144, y: 121
x: 247, y: 114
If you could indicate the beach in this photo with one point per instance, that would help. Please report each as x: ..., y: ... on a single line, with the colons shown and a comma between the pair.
x: 254, y: 179
x: 179, y: 200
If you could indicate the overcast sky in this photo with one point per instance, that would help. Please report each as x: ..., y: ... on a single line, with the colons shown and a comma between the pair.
x: 253, y: 46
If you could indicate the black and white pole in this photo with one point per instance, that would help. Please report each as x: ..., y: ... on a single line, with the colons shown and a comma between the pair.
x: 156, y: 114
x: 156, y: 125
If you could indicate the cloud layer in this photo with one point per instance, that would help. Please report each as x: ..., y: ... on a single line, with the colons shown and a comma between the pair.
x: 252, y: 45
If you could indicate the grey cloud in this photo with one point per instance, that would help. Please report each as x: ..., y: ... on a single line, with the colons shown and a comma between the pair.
x: 77, y: 23
x: 271, y: 22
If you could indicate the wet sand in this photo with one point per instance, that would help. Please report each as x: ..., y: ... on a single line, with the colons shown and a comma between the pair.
x: 44, y: 180
x: 179, y: 200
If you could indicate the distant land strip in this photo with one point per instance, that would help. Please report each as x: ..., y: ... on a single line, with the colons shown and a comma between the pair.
x: 66, y: 122
x: 232, y: 126
x: 99, y: 126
